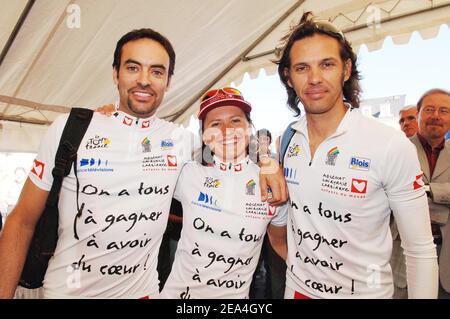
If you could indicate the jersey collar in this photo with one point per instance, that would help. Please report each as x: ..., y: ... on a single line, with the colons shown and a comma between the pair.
x: 231, y: 167
x: 131, y: 121
x: 349, y: 119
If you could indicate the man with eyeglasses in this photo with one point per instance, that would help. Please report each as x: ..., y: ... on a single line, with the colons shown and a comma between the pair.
x: 434, y: 157
x: 345, y: 173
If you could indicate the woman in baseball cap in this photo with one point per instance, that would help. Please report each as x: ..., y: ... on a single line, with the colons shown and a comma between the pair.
x: 224, y: 220
x: 229, y: 140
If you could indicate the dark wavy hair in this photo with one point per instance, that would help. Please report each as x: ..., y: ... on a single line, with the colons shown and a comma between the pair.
x: 145, y: 33
x: 308, y: 27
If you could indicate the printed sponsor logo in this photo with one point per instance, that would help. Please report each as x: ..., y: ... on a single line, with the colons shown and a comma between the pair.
x: 167, y: 144
x: 92, y: 162
x: 271, y: 210
x: 211, y: 182
x: 259, y: 210
x: 340, y: 185
x: 146, y: 145
x: 291, y: 175
x: 127, y: 121
x: 359, y: 163
x: 157, y: 163
x: 207, y: 201
x: 418, y: 183
x: 171, y: 161
x: 359, y: 186
x: 335, y: 182
x: 38, y: 169
x: 332, y: 156
x: 145, y: 124
x: 250, y: 187
x: 97, y: 142
x: 92, y: 165
x: 293, y: 150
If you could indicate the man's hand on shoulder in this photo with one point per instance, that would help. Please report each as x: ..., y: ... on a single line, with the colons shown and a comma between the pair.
x: 107, y: 110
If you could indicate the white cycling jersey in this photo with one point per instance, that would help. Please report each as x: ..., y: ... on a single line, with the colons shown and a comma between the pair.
x: 339, y: 241
x: 224, y: 223
x: 127, y: 169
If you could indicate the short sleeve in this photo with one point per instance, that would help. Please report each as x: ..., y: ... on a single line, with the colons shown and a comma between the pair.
x: 41, y: 171
x: 177, y: 194
x: 281, y: 217
x: 402, y: 175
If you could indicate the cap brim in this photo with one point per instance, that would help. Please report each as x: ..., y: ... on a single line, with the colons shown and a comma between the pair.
x: 243, y: 105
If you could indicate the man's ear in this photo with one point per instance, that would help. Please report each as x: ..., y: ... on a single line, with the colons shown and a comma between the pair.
x: 347, y: 69
x: 168, y: 84
x: 115, y: 76
x: 286, y: 74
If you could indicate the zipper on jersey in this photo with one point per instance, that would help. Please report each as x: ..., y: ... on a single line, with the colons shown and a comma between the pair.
x: 335, y: 134
x: 134, y: 147
x: 311, y: 158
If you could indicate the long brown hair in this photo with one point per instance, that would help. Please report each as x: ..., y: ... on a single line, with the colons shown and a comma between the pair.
x: 307, y: 27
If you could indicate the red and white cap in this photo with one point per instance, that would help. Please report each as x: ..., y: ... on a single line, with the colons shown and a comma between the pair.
x: 222, y: 97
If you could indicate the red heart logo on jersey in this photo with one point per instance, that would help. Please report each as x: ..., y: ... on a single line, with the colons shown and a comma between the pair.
x: 359, y: 186
x: 171, y: 161
x: 38, y: 169
x: 271, y: 210
x: 418, y: 183
x: 127, y: 121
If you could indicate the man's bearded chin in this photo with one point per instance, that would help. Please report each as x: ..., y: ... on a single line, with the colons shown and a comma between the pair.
x: 136, y: 110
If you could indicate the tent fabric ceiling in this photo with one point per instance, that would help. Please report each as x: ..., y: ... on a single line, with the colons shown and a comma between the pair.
x: 52, y: 63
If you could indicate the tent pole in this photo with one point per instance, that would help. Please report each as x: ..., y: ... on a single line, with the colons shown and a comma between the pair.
x: 356, y: 28
x: 16, y: 30
x: 240, y: 58
x: 37, y: 57
x: 19, y: 119
x: 33, y: 105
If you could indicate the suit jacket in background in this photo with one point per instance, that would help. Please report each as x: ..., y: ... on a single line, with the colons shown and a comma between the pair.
x: 439, y: 203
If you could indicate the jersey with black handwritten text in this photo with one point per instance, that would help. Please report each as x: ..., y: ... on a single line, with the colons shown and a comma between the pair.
x: 127, y: 169
x: 339, y: 241
x: 224, y: 223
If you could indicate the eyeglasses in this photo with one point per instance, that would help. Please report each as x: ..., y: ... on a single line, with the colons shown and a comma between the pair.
x: 326, y: 25
x: 323, y: 25
x: 227, y: 90
x: 442, y: 110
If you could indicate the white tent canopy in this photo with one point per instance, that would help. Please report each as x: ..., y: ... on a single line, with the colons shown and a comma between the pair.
x: 57, y: 54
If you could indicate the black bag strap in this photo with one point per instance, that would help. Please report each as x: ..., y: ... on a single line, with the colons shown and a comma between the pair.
x: 71, y: 137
